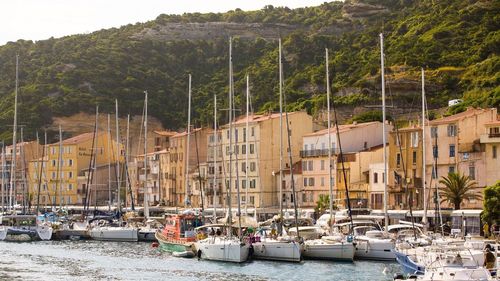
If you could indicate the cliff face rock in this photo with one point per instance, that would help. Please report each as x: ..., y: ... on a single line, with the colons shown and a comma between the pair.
x: 211, y: 30
x: 362, y: 10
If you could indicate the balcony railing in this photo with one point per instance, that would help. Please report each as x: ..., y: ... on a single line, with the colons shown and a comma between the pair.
x: 494, y: 135
x: 315, y: 152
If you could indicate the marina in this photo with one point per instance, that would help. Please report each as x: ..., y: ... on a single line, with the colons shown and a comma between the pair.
x: 95, y: 260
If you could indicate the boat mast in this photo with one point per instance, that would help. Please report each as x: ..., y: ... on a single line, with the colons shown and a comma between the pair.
x: 288, y: 133
x: 424, y: 218
x: 40, y: 174
x: 215, y: 160
x: 146, y: 206
x: 59, y: 171
x: 3, y: 176
x: 86, y: 201
x: 23, y: 171
x: 12, y: 193
x: 187, y: 201
x: 109, y: 163
x: 280, y: 187
x: 386, y: 216
x: 329, y: 139
x: 247, y: 150
x: 230, y: 215
x: 127, y: 179
x: 118, y: 155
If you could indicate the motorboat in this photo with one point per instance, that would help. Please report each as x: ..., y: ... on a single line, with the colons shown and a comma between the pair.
x: 178, y: 233
x: 25, y: 228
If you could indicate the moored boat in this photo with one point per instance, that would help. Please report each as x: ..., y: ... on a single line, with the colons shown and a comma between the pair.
x: 25, y: 228
x: 178, y: 233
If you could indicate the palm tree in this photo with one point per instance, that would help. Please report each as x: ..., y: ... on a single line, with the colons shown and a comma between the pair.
x: 458, y: 188
x: 322, y: 204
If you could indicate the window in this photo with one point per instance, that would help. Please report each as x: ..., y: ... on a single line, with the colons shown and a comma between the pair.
x: 383, y: 177
x: 434, y: 172
x: 414, y: 139
x: 451, y: 169
x: 70, y: 162
x: 243, y: 167
x: 252, y: 200
x: 252, y: 166
x: 236, y: 149
x: 311, y: 181
x: 304, y: 166
x: 375, y: 177
x: 252, y: 131
x: 244, y: 134
x: 472, y: 172
x: 322, y: 181
x: 251, y: 148
x: 452, y: 130
x: 53, y: 175
x: 53, y: 163
x: 435, y: 151
x: 434, y: 132
x: 322, y: 165
x: 414, y: 157
x: 305, y: 181
x: 244, y: 149
x: 310, y: 165
x: 252, y: 183
x: 227, y: 150
x: 304, y: 197
x: 243, y: 184
x: 236, y: 135
x: 305, y: 147
x: 398, y: 159
x: 227, y: 134
x: 494, y: 151
x: 53, y: 150
x: 70, y: 186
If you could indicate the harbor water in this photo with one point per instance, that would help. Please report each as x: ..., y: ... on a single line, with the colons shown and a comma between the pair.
x: 94, y: 260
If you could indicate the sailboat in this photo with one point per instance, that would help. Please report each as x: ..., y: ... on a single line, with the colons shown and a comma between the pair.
x: 265, y: 247
x: 228, y: 248
x: 109, y: 230
x: 372, y: 243
x: 20, y: 227
x: 333, y: 246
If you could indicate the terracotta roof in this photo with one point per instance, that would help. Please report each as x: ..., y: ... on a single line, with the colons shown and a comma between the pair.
x: 259, y: 118
x: 180, y: 134
x: 497, y: 122
x: 165, y: 133
x: 19, y: 144
x: 78, y: 139
x: 459, y: 116
x: 342, y: 128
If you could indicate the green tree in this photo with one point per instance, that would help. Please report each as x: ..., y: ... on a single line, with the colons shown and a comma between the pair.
x: 322, y: 204
x: 491, y: 205
x: 458, y: 188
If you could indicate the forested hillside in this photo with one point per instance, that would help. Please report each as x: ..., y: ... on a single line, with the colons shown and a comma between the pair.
x: 457, y: 42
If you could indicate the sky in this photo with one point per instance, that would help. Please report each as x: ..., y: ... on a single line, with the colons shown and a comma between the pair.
x: 42, y: 19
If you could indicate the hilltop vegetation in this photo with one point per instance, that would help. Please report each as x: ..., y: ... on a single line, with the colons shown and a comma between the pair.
x: 457, y: 42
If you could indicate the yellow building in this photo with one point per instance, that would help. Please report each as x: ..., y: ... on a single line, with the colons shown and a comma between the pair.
x: 454, y: 143
x: 491, y: 141
x: 405, y: 168
x: 263, y: 153
x: 59, y: 175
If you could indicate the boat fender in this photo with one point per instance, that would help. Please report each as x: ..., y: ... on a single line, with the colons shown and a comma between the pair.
x: 198, y: 254
x: 349, y: 238
x: 154, y: 245
x: 262, y: 249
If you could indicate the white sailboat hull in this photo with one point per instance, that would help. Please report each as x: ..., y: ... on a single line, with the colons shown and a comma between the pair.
x: 377, y: 249
x: 318, y: 249
x: 221, y: 249
x: 122, y: 234
x: 44, y: 232
x: 277, y: 250
x: 3, y: 233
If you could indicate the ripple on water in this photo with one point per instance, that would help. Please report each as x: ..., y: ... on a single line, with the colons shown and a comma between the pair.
x: 95, y: 260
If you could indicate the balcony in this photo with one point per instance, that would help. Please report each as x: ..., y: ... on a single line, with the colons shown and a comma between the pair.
x: 490, y: 138
x: 314, y: 153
